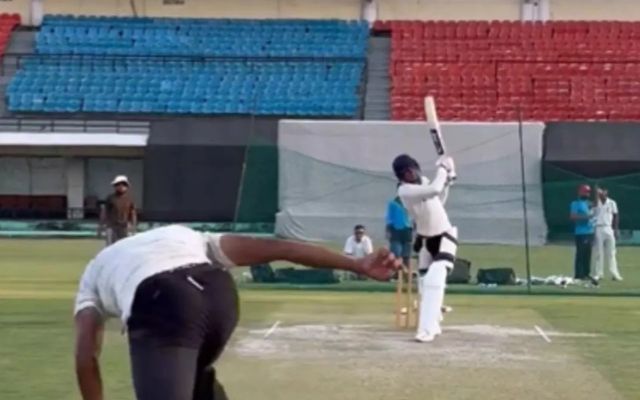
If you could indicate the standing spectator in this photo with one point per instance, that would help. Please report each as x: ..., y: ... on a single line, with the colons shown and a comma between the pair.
x: 606, y: 232
x: 581, y: 214
x: 357, y: 246
x: 118, y: 214
x: 399, y: 230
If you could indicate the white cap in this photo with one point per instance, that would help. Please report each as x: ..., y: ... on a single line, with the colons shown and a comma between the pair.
x: 120, y: 179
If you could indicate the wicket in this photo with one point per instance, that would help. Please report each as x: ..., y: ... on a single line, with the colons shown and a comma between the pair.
x: 406, y: 315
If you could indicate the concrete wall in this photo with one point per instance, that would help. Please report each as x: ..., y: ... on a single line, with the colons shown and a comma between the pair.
x: 88, y: 7
x: 624, y: 10
x: 32, y: 176
x: 620, y: 10
x: 21, y: 7
x: 74, y: 171
x: 73, y: 177
x: 449, y: 9
x: 342, y: 9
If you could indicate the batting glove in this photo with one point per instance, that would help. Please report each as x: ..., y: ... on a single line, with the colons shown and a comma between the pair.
x: 447, y: 163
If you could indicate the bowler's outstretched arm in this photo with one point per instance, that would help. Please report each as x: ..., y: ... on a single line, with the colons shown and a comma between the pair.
x: 242, y: 251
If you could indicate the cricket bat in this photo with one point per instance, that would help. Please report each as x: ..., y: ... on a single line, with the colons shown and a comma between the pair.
x: 434, y: 125
x: 434, y: 128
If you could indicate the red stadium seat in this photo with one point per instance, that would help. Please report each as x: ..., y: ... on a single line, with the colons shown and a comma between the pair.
x: 554, y: 70
x: 7, y: 23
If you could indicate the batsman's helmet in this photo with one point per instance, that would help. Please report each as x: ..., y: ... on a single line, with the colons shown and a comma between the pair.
x: 584, y: 190
x: 402, y: 163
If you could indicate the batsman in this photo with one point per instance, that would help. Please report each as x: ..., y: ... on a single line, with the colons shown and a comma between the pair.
x: 436, y: 241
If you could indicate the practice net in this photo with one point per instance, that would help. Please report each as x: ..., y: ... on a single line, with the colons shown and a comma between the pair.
x: 336, y: 174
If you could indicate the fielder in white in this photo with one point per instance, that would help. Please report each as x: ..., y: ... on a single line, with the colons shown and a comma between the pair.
x: 606, y: 223
x: 436, y: 241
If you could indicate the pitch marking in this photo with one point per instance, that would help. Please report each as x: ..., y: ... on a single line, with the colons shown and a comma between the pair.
x: 272, y: 329
x: 541, y: 332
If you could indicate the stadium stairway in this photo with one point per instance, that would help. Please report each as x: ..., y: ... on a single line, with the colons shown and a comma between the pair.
x: 4, y: 82
x: 377, y: 105
x: 22, y: 42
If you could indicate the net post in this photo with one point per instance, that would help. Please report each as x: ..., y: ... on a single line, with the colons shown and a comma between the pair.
x: 524, y: 202
x: 250, y: 138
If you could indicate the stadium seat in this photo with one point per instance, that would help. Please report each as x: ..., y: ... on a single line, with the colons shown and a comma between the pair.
x: 557, y: 70
x: 191, y: 66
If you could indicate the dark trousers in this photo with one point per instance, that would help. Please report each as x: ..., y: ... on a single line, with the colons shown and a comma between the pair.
x: 116, y: 233
x: 180, y: 323
x: 582, y: 265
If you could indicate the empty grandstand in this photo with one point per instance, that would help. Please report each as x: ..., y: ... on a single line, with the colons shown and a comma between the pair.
x: 190, y: 66
x: 506, y: 70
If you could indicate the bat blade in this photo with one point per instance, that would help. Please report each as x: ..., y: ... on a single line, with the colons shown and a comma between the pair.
x: 434, y: 125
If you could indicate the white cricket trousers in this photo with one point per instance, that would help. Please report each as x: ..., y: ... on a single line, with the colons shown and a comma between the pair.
x: 605, y: 251
x: 432, y: 287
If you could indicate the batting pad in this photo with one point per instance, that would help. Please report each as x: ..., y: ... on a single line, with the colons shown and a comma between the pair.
x: 433, y: 285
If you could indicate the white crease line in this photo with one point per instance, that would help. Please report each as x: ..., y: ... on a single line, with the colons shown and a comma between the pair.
x: 541, y: 332
x: 272, y: 329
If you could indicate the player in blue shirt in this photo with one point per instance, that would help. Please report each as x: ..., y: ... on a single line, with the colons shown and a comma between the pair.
x: 581, y: 214
x: 399, y: 230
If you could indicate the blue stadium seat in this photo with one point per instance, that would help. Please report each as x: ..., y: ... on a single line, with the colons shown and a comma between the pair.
x: 85, y: 80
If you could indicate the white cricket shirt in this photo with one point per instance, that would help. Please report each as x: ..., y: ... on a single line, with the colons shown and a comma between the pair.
x: 358, y: 249
x: 424, y: 202
x: 110, y: 280
x: 605, y: 212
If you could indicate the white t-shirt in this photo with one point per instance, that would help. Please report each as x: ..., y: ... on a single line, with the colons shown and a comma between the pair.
x: 358, y: 249
x: 425, y: 204
x: 110, y: 280
x: 605, y: 212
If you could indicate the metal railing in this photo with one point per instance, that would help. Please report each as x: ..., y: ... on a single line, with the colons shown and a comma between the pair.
x: 40, y: 125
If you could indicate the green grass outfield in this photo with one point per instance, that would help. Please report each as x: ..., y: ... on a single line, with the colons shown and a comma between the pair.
x: 341, y: 344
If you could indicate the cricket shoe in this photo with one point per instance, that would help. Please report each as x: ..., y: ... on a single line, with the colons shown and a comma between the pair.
x: 592, y: 282
x: 617, y: 279
x: 424, y: 337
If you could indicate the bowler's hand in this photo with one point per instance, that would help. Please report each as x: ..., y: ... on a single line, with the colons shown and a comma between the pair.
x: 380, y: 265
